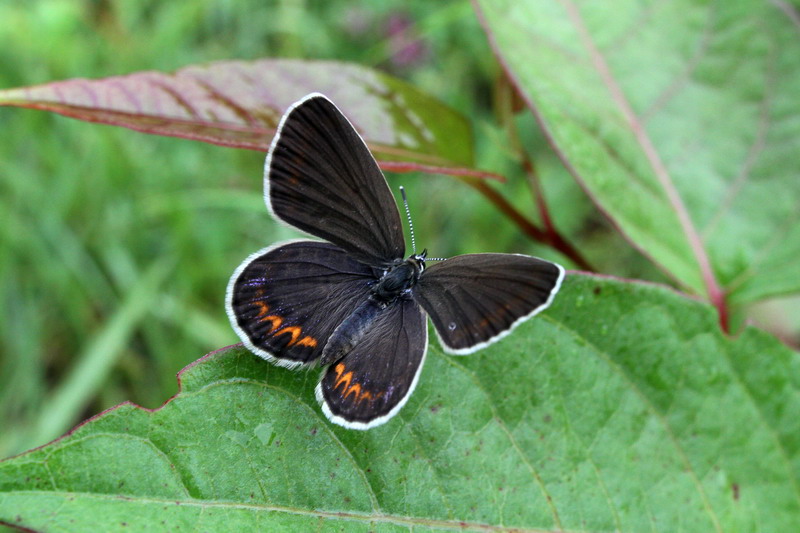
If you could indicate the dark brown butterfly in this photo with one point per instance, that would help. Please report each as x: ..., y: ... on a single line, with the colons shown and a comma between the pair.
x: 353, y: 304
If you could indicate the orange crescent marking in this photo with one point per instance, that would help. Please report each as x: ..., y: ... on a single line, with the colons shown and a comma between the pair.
x: 342, y: 378
x: 294, y: 330
x: 275, y: 320
x: 365, y: 395
x: 308, y: 341
x: 353, y: 388
x: 263, y: 309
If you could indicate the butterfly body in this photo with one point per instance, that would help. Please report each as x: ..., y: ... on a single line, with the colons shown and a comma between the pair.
x: 395, y: 283
x: 353, y: 304
x: 399, y: 279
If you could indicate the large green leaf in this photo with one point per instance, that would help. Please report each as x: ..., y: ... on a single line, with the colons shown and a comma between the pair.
x: 622, y: 408
x: 239, y: 104
x: 681, y: 120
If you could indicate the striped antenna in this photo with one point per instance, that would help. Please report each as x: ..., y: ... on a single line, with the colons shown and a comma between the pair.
x: 408, y: 216
x: 411, y: 228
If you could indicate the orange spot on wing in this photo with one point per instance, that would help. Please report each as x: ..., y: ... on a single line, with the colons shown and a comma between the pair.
x: 308, y: 341
x: 367, y: 395
x: 346, y: 378
x: 351, y: 388
x: 355, y: 388
x: 275, y: 320
x: 294, y: 330
x: 263, y: 309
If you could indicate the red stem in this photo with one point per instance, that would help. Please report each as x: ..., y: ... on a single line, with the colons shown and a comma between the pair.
x: 505, y: 93
x: 546, y: 236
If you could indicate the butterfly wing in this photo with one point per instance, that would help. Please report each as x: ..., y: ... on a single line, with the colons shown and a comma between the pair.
x: 320, y: 177
x: 371, y: 383
x: 286, y: 300
x: 475, y: 299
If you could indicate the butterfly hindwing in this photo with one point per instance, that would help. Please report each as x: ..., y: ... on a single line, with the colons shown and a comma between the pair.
x: 372, y: 382
x: 286, y: 300
x: 321, y: 178
x: 352, y: 304
x: 475, y: 299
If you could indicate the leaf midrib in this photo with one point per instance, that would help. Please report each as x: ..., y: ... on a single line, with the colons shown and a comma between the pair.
x: 651, y: 154
x: 204, y: 505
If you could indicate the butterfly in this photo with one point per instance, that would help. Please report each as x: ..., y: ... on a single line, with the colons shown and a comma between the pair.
x: 353, y: 304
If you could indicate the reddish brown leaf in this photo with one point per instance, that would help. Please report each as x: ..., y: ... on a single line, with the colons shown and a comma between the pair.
x: 239, y: 104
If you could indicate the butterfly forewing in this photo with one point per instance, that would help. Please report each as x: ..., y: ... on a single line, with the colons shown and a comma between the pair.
x: 321, y: 178
x: 475, y: 299
x: 371, y: 383
x: 286, y: 300
x: 354, y: 294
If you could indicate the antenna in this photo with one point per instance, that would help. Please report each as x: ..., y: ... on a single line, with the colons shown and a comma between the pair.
x: 408, y: 216
x: 411, y: 228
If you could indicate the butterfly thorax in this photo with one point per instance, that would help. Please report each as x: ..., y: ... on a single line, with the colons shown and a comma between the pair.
x: 399, y: 279
x: 396, y: 283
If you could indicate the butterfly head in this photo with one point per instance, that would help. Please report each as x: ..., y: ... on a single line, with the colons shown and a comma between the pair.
x: 418, y: 260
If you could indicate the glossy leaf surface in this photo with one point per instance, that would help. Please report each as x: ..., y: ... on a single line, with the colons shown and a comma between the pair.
x: 680, y: 119
x: 620, y: 408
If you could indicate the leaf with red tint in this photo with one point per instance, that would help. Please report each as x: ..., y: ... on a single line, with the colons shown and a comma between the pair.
x: 239, y: 104
x: 680, y: 120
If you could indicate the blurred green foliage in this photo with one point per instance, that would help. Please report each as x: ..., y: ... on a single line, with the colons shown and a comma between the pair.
x: 89, y: 212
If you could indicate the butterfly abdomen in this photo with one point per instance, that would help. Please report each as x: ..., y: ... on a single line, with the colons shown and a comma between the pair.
x: 393, y: 285
x: 351, y: 330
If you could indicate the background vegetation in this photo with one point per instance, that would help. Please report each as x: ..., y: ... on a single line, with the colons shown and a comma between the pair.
x: 87, y: 210
x: 116, y: 246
